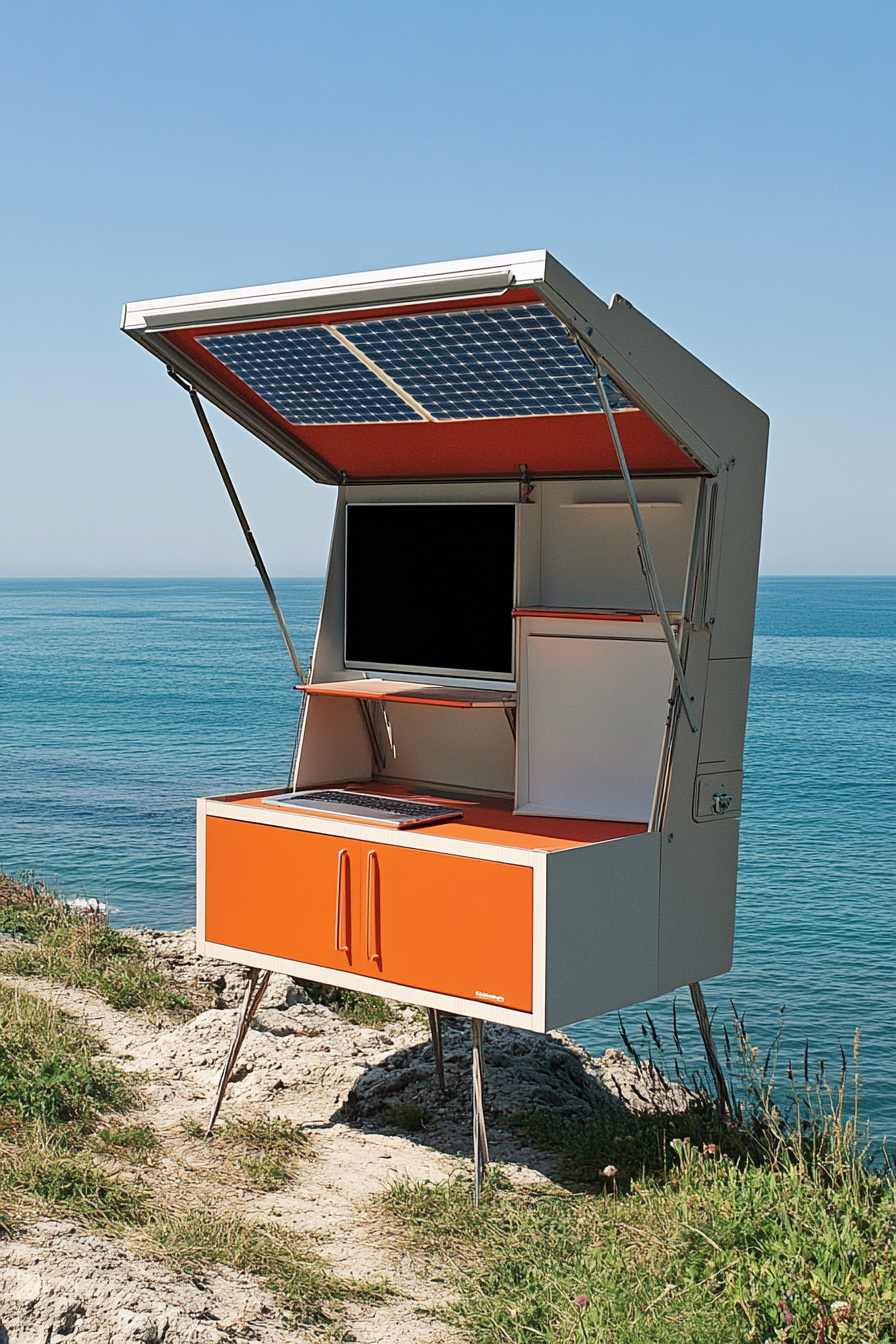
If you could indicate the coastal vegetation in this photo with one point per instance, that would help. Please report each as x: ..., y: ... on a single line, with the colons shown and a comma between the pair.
x: 72, y: 945
x: 365, y: 1010
x: 704, y: 1227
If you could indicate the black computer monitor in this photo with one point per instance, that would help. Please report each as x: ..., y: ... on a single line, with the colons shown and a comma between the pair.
x: 429, y: 589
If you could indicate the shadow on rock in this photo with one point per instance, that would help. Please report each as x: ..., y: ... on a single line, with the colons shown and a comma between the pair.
x: 523, y: 1072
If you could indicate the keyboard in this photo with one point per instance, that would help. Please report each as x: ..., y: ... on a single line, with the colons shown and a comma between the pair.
x: 398, y: 812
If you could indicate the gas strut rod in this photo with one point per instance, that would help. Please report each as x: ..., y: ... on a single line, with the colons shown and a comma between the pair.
x: 244, y: 523
x: 653, y: 582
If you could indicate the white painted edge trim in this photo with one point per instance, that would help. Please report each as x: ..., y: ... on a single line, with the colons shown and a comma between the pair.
x: 330, y: 293
x: 200, y: 870
x: 539, y: 941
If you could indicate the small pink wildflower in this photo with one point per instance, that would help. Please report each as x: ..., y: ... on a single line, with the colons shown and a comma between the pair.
x: 710, y: 1149
x: 609, y: 1171
x: 581, y: 1302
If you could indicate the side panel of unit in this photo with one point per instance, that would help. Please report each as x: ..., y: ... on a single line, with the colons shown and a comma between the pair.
x: 602, y: 928
x: 697, y: 898
x: 724, y: 722
x: 699, y: 850
x: 735, y: 560
x: 700, y: 827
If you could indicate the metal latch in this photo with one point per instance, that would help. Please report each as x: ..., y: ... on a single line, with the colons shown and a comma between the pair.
x: 717, y: 795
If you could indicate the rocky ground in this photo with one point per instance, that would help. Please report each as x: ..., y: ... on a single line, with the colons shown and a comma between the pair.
x: 340, y: 1081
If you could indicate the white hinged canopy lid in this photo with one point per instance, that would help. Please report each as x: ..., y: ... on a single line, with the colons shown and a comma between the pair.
x: 453, y: 370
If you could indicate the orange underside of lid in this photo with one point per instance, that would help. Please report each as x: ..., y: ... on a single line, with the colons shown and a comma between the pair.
x: 577, y: 444
x: 547, y: 444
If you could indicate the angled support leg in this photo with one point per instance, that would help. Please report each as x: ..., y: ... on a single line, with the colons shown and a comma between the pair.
x: 480, y: 1136
x: 435, y: 1031
x: 255, y: 988
x: 709, y: 1045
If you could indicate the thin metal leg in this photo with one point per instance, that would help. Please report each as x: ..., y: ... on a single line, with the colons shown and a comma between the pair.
x: 709, y: 1046
x: 435, y: 1031
x: 255, y: 988
x: 480, y: 1136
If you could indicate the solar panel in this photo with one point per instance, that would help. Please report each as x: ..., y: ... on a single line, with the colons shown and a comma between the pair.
x: 483, y: 362
x: 475, y: 364
x: 307, y: 376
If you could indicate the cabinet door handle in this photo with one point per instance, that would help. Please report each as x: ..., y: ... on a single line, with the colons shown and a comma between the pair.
x: 343, y: 871
x: 373, y: 907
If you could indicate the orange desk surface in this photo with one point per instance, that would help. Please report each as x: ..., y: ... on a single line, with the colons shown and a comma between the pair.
x: 486, y: 821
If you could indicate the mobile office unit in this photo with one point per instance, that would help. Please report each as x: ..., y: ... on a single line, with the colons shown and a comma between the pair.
x: 538, y: 616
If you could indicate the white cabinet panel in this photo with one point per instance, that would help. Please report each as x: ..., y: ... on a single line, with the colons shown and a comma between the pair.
x: 589, y: 546
x: 595, y: 717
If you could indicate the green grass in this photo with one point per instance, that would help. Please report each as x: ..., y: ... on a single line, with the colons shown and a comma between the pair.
x: 135, y: 1141
x: 48, y: 1069
x: 69, y: 947
x: 267, y: 1149
x: 44, y: 1170
x: 636, y: 1145
x: 365, y: 1010
x: 692, y: 1229
x: 714, y: 1253
x: 404, y: 1116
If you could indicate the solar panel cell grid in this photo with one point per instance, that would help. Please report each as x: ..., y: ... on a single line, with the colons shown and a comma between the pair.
x: 475, y: 364
x: 308, y: 377
x: 483, y: 362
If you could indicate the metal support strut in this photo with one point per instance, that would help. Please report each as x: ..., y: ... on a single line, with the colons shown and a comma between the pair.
x: 709, y: 1046
x: 435, y: 1031
x: 480, y: 1136
x: 653, y: 583
x: 243, y: 521
x: 255, y: 988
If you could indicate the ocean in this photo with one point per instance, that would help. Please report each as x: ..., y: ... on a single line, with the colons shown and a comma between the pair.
x: 124, y: 700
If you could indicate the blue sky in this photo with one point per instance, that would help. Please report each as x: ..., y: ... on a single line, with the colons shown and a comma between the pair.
x: 727, y: 167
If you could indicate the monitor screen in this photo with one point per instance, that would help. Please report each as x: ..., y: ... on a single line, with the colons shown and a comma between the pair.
x: 429, y: 588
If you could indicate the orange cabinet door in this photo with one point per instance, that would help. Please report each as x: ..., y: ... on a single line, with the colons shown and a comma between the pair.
x: 452, y: 925
x: 285, y: 893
